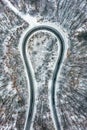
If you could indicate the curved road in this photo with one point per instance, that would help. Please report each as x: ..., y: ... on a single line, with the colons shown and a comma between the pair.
x: 59, y: 61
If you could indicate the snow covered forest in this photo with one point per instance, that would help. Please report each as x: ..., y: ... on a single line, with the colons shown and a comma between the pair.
x: 71, y: 85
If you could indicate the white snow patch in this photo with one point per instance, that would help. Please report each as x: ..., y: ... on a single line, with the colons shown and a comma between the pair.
x: 26, y: 17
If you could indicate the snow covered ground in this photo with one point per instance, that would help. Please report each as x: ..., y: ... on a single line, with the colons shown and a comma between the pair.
x: 71, y: 91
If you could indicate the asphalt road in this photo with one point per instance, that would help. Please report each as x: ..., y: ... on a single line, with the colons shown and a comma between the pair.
x: 58, y: 64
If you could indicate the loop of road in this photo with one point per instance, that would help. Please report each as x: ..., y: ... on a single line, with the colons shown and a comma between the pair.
x: 30, y: 77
